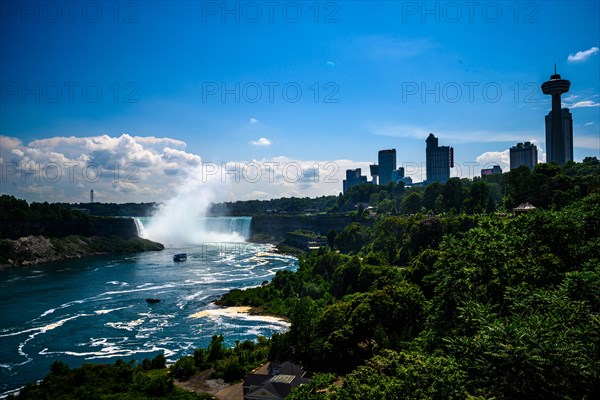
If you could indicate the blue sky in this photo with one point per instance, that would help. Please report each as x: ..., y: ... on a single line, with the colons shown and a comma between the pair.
x: 312, y: 82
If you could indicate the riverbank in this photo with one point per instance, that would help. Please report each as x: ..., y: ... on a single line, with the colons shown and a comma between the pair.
x: 244, y: 312
x: 31, y: 250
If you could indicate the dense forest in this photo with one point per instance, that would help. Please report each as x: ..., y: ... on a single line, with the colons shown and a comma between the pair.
x: 441, y: 293
x: 453, y: 305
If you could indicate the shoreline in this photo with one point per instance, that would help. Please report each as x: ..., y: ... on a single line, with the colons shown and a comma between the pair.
x: 246, y: 312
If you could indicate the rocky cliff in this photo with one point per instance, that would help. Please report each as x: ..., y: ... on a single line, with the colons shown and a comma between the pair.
x: 274, y: 227
x: 30, y: 250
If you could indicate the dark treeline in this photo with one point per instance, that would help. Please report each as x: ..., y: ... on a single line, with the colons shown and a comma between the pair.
x: 13, y: 209
x: 116, y: 210
x: 291, y: 205
x: 547, y: 186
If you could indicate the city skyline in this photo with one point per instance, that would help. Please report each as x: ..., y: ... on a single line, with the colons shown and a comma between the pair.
x: 147, y: 91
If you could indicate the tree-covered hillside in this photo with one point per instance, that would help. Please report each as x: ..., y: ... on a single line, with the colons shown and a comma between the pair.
x: 487, y: 306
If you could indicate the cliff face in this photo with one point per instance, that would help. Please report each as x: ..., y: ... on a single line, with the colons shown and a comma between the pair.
x: 30, y: 250
x: 276, y: 226
x: 122, y: 227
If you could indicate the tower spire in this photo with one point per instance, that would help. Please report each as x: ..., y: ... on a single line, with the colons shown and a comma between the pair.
x: 554, y: 68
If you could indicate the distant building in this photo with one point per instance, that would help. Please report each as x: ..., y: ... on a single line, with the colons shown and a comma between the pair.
x: 353, y: 178
x: 374, y: 173
x: 387, y: 164
x: 398, y: 176
x: 276, y: 383
x: 523, y: 154
x: 439, y: 160
x: 560, y: 151
x: 92, y: 196
x: 495, y: 170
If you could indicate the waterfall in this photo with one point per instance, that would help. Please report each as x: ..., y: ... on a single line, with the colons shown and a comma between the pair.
x: 194, y: 231
x: 140, y: 227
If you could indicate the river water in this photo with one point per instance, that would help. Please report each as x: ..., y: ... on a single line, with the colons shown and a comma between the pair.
x: 94, y: 309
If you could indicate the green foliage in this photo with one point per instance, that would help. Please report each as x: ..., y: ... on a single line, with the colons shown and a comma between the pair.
x: 184, y: 368
x: 121, y: 380
x: 405, y: 375
x: 291, y: 205
x: 411, y: 203
x: 116, y: 209
x: 488, y: 306
x: 353, y: 238
x: 315, y: 389
x: 13, y: 209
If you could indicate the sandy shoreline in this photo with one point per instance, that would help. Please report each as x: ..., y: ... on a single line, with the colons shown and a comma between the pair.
x: 240, y: 312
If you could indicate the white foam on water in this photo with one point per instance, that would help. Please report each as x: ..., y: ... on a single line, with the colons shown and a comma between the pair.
x: 128, y: 326
x: 106, y: 311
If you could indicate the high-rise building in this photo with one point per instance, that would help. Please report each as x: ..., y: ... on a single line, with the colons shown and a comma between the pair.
x: 439, y: 160
x: 387, y: 164
x: 353, y: 178
x: 559, y: 142
x: 398, y: 176
x: 374, y: 172
x: 566, y: 151
x: 495, y: 170
x: 523, y: 154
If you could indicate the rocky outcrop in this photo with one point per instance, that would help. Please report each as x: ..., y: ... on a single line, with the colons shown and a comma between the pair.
x: 39, y: 249
x: 276, y: 226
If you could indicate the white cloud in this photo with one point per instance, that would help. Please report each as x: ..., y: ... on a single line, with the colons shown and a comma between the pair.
x: 571, y: 97
x: 585, y: 104
x: 491, y: 158
x: 582, y: 55
x: 261, y: 142
x: 119, y: 169
x: 253, y: 120
x: 589, y: 123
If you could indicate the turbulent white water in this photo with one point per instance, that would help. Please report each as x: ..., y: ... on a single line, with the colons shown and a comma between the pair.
x: 94, y: 309
x: 195, y: 231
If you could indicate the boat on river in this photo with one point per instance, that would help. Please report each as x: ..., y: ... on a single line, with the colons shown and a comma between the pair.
x: 180, y: 257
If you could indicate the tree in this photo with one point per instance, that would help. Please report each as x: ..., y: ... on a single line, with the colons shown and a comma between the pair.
x: 411, y: 204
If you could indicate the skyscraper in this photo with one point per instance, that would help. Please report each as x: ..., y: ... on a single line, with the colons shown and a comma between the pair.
x: 523, y: 154
x: 567, y: 133
x: 387, y: 164
x: 374, y: 172
x: 559, y: 146
x: 353, y: 178
x: 439, y: 160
